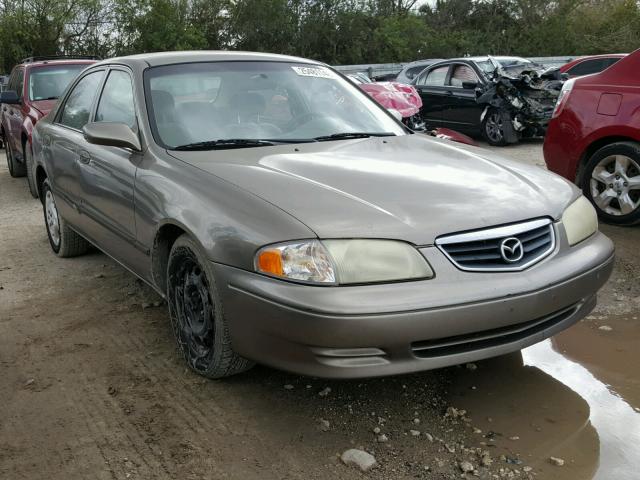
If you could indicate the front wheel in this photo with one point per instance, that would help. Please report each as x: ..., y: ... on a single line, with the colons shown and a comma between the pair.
x: 16, y: 169
x: 611, y: 180
x: 493, y: 128
x: 197, y: 317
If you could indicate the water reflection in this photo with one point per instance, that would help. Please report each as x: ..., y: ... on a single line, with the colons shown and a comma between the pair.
x: 617, y: 423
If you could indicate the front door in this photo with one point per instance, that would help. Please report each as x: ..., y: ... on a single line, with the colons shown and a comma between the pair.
x: 14, y: 114
x: 464, y: 111
x: 107, y: 175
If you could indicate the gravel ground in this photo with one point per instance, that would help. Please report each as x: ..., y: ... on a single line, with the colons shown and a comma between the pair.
x: 92, y: 387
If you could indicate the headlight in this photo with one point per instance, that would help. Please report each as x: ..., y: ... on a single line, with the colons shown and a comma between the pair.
x: 580, y: 220
x: 343, y: 261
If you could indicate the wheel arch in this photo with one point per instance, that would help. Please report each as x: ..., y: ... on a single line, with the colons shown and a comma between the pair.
x: 593, y: 147
x: 167, y: 233
x: 41, y: 176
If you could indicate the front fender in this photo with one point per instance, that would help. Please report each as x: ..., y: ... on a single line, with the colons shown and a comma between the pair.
x: 228, y: 222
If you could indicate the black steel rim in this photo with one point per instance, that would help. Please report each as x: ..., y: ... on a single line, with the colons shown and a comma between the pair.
x: 194, y: 312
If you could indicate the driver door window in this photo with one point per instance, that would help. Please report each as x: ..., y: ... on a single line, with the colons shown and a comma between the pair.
x: 116, y: 103
x: 77, y: 108
x: 461, y: 74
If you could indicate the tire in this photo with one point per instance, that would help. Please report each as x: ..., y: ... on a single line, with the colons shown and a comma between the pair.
x: 493, y: 128
x: 16, y: 169
x: 63, y: 240
x: 197, y: 316
x: 31, y: 171
x: 611, y: 180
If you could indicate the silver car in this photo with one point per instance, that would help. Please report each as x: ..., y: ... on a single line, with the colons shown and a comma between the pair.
x: 290, y: 220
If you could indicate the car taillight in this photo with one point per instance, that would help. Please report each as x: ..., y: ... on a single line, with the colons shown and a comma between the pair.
x: 563, y: 97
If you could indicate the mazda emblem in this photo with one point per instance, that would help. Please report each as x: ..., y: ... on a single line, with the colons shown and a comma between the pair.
x: 511, y: 250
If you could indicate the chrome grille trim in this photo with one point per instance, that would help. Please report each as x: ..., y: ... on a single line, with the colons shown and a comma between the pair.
x: 479, y: 251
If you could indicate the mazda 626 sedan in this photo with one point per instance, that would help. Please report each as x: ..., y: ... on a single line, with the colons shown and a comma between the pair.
x: 290, y: 220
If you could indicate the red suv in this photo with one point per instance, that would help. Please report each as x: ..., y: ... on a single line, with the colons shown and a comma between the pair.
x: 593, y: 139
x: 33, y: 89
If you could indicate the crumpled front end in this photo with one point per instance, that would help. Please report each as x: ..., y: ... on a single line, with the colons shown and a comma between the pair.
x: 525, y: 99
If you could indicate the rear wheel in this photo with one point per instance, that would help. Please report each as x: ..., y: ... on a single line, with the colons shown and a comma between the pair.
x: 30, y: 168
x: 197, y: 316
x: 64, y: 241
x: 16, y: 169
x: 611, y: 181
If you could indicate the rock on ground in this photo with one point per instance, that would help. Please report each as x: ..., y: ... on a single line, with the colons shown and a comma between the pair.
x: 359, y: 458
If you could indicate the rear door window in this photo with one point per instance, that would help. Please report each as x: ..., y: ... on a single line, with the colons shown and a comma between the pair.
x: 412, y: 72
x: 77, y: 108
x: 587, y: 67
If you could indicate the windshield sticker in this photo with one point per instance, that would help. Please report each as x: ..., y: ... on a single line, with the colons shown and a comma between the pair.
x: 320, y: 72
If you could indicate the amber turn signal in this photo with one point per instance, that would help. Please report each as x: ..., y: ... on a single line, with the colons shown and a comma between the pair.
x: 270, y: 261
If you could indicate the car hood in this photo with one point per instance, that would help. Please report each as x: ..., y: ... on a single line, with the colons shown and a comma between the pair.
x: 412, y: 187
x: 44, y: 106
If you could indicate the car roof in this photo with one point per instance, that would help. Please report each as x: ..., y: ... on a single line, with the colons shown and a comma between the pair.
x: 486, y: 58
x: 66, y: 61
x: 602, y: 55
x: 172, y: 58
x: 427, y: 61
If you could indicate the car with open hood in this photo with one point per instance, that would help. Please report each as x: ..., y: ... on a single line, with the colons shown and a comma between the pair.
x: 290, y: 220
x: 32, y: 90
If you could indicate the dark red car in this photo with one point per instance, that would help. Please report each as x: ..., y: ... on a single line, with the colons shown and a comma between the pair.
x: 33, y: 89
x: 593, y: 139
x: 590, y: 64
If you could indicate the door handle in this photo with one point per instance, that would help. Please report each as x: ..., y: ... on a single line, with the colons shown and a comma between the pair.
x: 84, y: 157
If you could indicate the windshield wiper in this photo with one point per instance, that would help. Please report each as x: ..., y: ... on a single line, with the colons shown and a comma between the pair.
x: 226, y: 143
x: 348, y: 135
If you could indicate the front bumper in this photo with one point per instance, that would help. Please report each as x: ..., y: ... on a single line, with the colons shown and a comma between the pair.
x: 376, y: 330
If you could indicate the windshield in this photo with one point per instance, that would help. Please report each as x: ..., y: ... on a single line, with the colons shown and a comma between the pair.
x: 48, y: 83
x: 277, y: 101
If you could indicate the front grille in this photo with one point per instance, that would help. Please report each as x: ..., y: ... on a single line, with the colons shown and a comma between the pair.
x: 489, y: 338
x: 509, y: 248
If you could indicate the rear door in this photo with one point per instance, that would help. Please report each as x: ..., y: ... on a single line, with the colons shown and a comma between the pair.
x: 435, y: 94
x: 463, y: 112
x: 65, y: 142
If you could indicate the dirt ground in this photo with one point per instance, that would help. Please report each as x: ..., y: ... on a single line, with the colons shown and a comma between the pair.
x: 91, y: 386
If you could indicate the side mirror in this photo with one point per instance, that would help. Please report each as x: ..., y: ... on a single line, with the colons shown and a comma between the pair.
x: 396, y: 114
x: 9, y: 97
x: 469, y: 85
x: 111, y: 134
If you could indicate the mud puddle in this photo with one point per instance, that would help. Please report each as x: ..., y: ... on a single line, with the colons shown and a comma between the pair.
x: 541, y: 403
